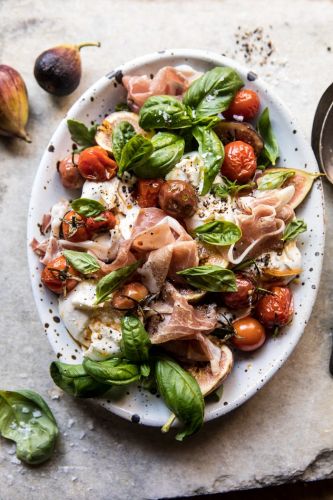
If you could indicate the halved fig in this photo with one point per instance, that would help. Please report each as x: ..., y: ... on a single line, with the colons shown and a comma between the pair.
x: 192, y: 296
x: 203, y: 374
x: 103, y: 135
x: 302, y: 181
x: 229, y: 131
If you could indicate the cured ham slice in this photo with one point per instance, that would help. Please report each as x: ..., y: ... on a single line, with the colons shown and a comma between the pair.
x: 47, y: 250
x: 153, y: 238
x: 124, y: 258
x: 275, y: 198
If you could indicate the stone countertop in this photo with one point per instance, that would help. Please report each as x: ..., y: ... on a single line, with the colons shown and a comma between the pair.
x: 285, y: 432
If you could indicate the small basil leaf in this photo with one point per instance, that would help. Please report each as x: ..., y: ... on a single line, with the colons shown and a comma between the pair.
x: 182, y: 395
x: 211, y: 278
x: 81, y: 134
x: 74, y: 380
x: 121, y: 134
x: 274, y: 180
x: 165, y: 112
x: 26, y: 419
x: 122, y: 106
x: 293, y: 229
x: 212, y: 152
x: 134, y: 153
x: 270, y: 152
x: 135, y: 340
x: 114, y: 280
x: 220, y: 233
x: 145, y: 370
x: 87, y: 207
x: 82, y: 261
x: 168, y: 150
x: 229, y: 188
x: 212, y: 92
x: 114, y: 371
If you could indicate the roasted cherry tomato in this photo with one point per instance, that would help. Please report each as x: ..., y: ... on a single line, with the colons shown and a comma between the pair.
x: 249, y: 334
x: 246, y: 103
x: 57, y: 276
x: 241, y: 298
x: 69, y: 173
x: 74, y: 227
x: 275, y: 309
x: 148, y: 190
x: 178, y: 199
x: 103, y: 222
x: 129, y: 295
x: 95, y: 165
x: 240, y: 162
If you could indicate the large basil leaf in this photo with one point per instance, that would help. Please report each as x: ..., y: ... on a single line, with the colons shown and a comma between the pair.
x: 135, y: 339
x: 134, y: 153
x: 114, y: 371
x: 182, y: 395
x: 82, y: 135
x: 26, y: 419
x: 293, y: 229
x: 165, y: 112
x: 82, y: 261
x: 212, y: 152
x: 87, y: 207
x: 74, y: 380
x: 229, y: 188
x: 274, y: 180
x: 168, y: 150
x: 114, y: 280
x: 211, y: 278
x: 121, y: 134
x: 220, y: 233
x: 270, y: 152
x: 212, y: 92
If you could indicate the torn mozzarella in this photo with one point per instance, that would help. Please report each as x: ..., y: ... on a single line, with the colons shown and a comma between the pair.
x: 57, y: 214
x: 105, y: 338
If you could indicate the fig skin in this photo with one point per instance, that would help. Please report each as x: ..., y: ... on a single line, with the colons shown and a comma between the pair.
x: 58, y: 70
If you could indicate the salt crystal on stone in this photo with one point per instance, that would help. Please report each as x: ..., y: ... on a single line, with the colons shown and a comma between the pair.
x: 91, y: 426
x: 15, y: 461
x: 74, y: 478
x: 70, y: 423
x: 82, y: 435
x: 12, y: 450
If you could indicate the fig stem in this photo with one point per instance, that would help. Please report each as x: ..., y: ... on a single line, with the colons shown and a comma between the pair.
x: 168, y: 423
x: 88, y: 44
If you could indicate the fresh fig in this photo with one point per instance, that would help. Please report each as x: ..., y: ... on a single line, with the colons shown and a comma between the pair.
x: 14, y: 105
x: 58, y: 70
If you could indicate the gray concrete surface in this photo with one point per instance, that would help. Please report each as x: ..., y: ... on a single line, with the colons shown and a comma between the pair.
x: 285, y: 432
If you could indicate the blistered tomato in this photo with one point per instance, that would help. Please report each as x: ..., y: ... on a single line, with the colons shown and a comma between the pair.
x: 241, y: 298
x: 148, y: 190
x: 249, y: 334
x: 103, y: 222
x: 69, y: 173
x: 246, y: 103
x: 275, y: 309
x: 240, y: 162
x: 57, y: 275
x: 178, y: 199
x: 74, y: 228
x: 95, y: 165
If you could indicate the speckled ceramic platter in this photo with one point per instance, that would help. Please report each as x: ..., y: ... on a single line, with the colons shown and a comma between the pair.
x: 251, y: 371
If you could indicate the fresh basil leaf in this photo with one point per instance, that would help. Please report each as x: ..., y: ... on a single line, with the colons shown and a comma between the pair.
x: 114, y: 371
x: 135, y: 339
x: 134, y: 153
x: 87, y: 207
x: 274, y: 180
x: 81, y: 134
x: 212, y: 152
x: 270, y: 153
x: 121, y: 134
x: 182, y: 395
x: 164, y: 112
x: 221, y: 233
x: 122, y: 106
x: 229, y: 188
x: 74, y: 380
x: 114, y: 280
x: 82, y: 261
x: 212, y: 93
x: 293, y: 229
x: 211, y: 278
x: 145, y: 370
x: 168, y: 150
x: 26, y: 419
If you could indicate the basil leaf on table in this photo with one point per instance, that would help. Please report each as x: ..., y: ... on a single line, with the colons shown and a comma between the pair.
x: 121, y: 134
x: 74, y: 380
x: 165, y: 112
x: 81, y: 134
x: 114, y: 371
x: 270, y: 153
x: 212, y: 152
x: 212, y: 92
x: 220, y: 233
x: 134, y: 153
x: 82, y: 261
x: 168, y: 149
x: 26, y: 419
x: 135, y: 339
x: 274, y: 180
x: 114, y: 280
x: 182, y: 395
x: 211, y: 278
x: 228, y: 188
x: 293, y: 229
x: 87, y: 207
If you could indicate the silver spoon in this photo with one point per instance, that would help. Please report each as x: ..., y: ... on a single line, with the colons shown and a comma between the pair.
x: 322, y: 133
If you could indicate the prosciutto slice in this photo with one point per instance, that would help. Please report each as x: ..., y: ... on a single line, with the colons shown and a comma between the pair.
x: 47, y: 250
